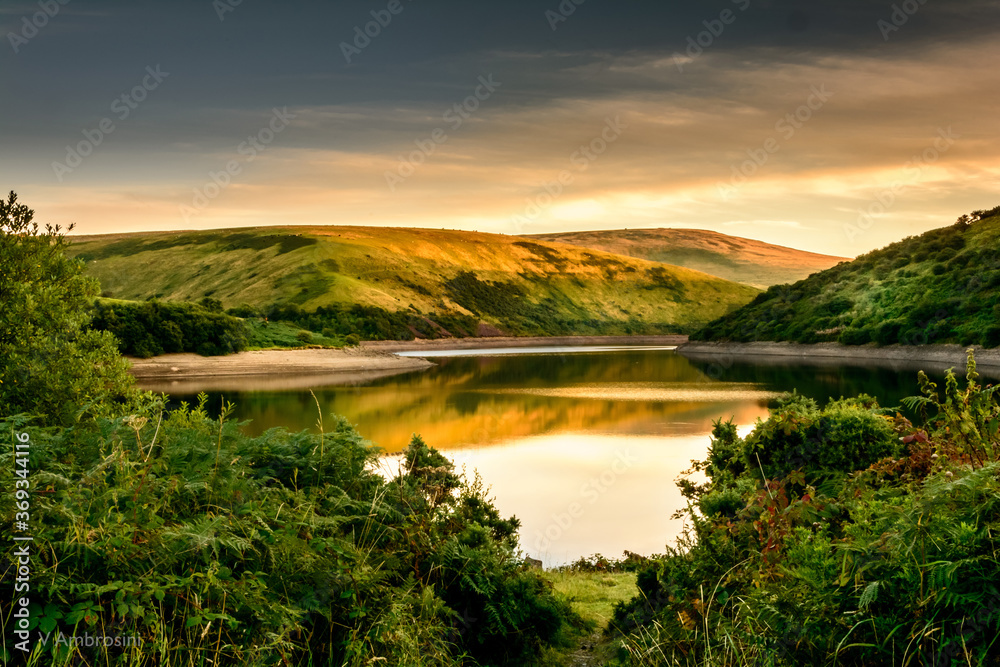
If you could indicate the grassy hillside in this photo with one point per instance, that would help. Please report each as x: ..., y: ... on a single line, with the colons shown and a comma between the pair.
x: 731, y: 257
x: 517, y: 285
x: 940, y: 287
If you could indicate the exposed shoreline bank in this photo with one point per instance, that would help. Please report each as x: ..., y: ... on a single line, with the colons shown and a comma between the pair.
x: 931, y: 358
x: 513, y: 341
x: 273, y: 362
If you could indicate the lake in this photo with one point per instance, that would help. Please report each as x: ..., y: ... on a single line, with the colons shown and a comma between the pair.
x: 582, y: 444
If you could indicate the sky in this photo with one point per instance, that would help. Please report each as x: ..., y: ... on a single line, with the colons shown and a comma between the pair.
x: 830, y: 126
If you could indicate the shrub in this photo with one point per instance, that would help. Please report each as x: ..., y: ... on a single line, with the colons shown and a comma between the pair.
x: 854, y: 336
x: 211, y: 305
x: 887, y: 333
x: 722, y: 503
x: 245, y: 310
x: 852, y: 436
x: 846, y: 435
x: 305, y: 337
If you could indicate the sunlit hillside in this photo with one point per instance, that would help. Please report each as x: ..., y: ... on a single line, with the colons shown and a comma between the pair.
x: 514, y: 284
x: 940, y: 287
x: 731, y: 257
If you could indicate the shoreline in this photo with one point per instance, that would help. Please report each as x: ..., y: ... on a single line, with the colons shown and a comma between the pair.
x: 516, y: 341
x: 272, y: 362
x: 930, y: 358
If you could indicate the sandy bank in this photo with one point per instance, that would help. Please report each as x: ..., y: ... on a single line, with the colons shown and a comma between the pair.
x: 510, y: 341
x: 284, y: 367
x: 930, y: 358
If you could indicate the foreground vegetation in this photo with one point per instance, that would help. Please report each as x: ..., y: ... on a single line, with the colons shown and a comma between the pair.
x: 216, y: 548
x: 940, y: 287
x: 841, y: 536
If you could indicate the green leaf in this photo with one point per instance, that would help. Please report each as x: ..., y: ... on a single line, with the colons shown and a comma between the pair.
x: 192, y: 621
x: 53, y: 611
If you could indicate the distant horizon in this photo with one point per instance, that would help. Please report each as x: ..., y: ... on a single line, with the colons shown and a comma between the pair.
x: 836, y: 128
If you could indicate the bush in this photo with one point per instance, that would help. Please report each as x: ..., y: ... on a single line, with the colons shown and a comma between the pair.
x: 245, y: 311
x: 304, y: 337
x: 724, y: 503
x: 352, y: 340
x: 846, y: 435
x: 151, y: 328
x: 853, y: 336
x: 887, y: 333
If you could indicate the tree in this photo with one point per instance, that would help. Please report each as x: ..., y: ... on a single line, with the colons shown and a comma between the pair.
x: 51, y: 364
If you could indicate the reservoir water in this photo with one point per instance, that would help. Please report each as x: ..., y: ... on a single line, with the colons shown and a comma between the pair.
x: 583, y: 445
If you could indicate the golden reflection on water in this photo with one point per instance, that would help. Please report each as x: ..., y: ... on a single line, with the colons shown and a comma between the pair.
x: 501, y: 417
x: 654, y: 392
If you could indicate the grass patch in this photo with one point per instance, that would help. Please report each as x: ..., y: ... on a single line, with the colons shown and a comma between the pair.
x: 593, y: 595
x: 267, y: 335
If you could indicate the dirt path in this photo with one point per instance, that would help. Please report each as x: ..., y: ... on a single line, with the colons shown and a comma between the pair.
x: 587, y: 655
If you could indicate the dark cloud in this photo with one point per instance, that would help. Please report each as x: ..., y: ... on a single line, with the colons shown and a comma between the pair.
x: 706, y: 81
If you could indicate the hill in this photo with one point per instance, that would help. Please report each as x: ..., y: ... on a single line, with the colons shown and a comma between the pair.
x: 730, y: 257
x: 940, y: 287
x: 447, y: 279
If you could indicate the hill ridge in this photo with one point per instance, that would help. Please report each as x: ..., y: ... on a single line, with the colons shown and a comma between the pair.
x: 734, y: 258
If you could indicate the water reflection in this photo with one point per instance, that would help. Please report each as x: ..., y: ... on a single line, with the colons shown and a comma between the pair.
x: 489, y: 400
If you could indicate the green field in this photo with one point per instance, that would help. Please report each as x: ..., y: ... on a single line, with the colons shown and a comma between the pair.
x: 510, y: 284
x: 940, y: 287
